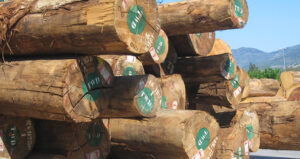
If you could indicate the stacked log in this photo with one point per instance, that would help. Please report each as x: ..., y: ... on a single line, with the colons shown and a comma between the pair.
x: 263, y: 87
x: 219, y: 47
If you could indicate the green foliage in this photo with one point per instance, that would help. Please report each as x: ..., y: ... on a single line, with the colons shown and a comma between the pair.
x: 255, y: 72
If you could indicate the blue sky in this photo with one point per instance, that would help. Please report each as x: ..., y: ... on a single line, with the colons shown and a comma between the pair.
x: 272, y: 25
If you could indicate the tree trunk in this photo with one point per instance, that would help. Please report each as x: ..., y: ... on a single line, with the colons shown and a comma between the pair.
x: 173, y: 90
x: 124, y: 65
x: 219, y: 47
x: 288, y: 79
x: 159, y: 52
x: 17, y: 137
x: 172, y: 134
x: 81, y: 140
x: 198, y: 44
x: 279, y: 124
x: 198, y: 16
x: 86, y: 27
x: 206, y: 69
x: 263, y: 87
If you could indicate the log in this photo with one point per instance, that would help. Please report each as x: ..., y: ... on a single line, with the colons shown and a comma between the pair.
x: 279, y: 124
x: 263, y: 99
x: 124, y: 65
x: 17, y: 137
x: 198, y: 16
x: 38, y: 155
x: 288, y: 79
x: 159, y: 52
x: 243, y: 81
x: 172, y: 134
x: 173, y: 91
x: 293, y: 93
x: 85, y: 27
x: 263, y: 87
x: 198, y: 44
x: 73, y: 140
x: 219, y: 47
x: 206, y: 69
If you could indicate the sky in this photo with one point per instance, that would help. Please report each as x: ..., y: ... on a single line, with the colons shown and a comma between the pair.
x: 272, y: 25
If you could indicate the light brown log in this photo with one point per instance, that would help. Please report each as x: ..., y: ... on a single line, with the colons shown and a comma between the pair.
x: 73, y: 140
x: 293, y: 93
x: 198, y: 44
x: 288, y: 79
x: 124, y: 65
x: 172, y: 134
x: 17, y: 137
x: 38, y: 155
x: 263, y: 87
x: 86, y: 27
x: 158, y: 53
x: 243, y: 81
x: 219, y: 47
x: 173, y: 91
x: 279, y: 124
x: 198, y: 16
x: 206, y: 69
x: 263, y: 99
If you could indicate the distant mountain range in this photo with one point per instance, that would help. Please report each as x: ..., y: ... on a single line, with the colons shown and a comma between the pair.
x: 244, y: 56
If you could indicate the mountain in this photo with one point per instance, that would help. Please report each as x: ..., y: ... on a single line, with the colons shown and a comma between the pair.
x: 244, y: 56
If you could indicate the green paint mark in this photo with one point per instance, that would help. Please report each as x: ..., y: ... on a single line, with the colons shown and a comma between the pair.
x: 202, y: 139
x: 129, y: 71
x: 12, y: 136
x: 250, y: 131
x: 235, y: 81
x: 93, y: 135
x: 198, y: 35
x: 239, y: 153
x: 164, y: 102
x: 146, y: 101
x: 93, y: 81
x: 160, y: 45
x: 228, y: 69
x: 136, y: 19
x: 238, y: 7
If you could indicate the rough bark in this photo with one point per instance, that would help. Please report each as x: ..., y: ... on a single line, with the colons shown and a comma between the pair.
x: 172, y: 134
x: 198, y: 16
x: 173, y: 91
x: 198, y: 44
x: 279, y: 124
x: 81, y: 140
x: 17, y: 137
x: 124, y: 65
x: 86, y: 27
x: 288, y: 79
x: 206, y: 69
x: 263, y: 87
x: 219, y: 47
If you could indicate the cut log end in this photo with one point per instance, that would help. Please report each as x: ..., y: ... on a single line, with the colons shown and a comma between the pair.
x: 219, y: 47
x: 240, y: 13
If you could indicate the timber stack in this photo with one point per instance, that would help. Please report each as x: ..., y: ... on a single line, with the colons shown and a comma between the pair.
x: 93, y: 79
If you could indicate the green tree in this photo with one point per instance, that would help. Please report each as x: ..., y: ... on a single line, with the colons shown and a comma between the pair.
x: 255, y: 72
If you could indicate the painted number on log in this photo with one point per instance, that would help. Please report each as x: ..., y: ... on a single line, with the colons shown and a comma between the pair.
x: 93, y: 155
x: 146, y: 101
x: 235, y: 81
x: 238, y: 7
x: 1, y: 142
x: 164, y: 102
x: 160, y: 45
x: 202, y: 139
x: 228, y: 69
x: 93, y: 135
x: 129, y: 71
x: 250, y: 131
x: 198, y: 35
x: 238, y: 154
x: 93, y: 82
x: 12, y: 136
x: 136, y: 19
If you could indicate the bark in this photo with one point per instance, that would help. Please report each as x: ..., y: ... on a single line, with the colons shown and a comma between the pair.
x: 219, y: 47
x: 172, y: 134
x: 198, y: 16
x: 85, y: 27
x: 279, y: 124
x: 17, y: 137
x: 263, y: 87
x: 173, y: 90
x: 198, y: 44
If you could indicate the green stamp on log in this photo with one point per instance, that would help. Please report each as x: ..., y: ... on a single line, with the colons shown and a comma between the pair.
x: 164, y: 102
x: 238, y: 7
x: 146, y: 101
x: 160, y: 45
x: 202, y: 139
x: 129, y: 71
x: 93, y: 135
x: 228, y: 69
x: 250, y: 131
x: 12, y: 136
x: 136, y: 19
x: 239, y: 153
x: 198, y: 35
x: 235, y: 81
x: 93, y: 81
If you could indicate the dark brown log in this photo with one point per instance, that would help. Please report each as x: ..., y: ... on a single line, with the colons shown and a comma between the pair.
x: 198, y: 44
x: 198, y: 16
x: 172, y: 134
x: 124, y: 65
x: 17, y: 137
x: 279, y: 124
x: 173, y: 90
x: 85, y: 27
x: 206, y: 69
x: 38, y: 155
x: 219, y: 47
x: 81, y: 140
x: 263, y: 87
